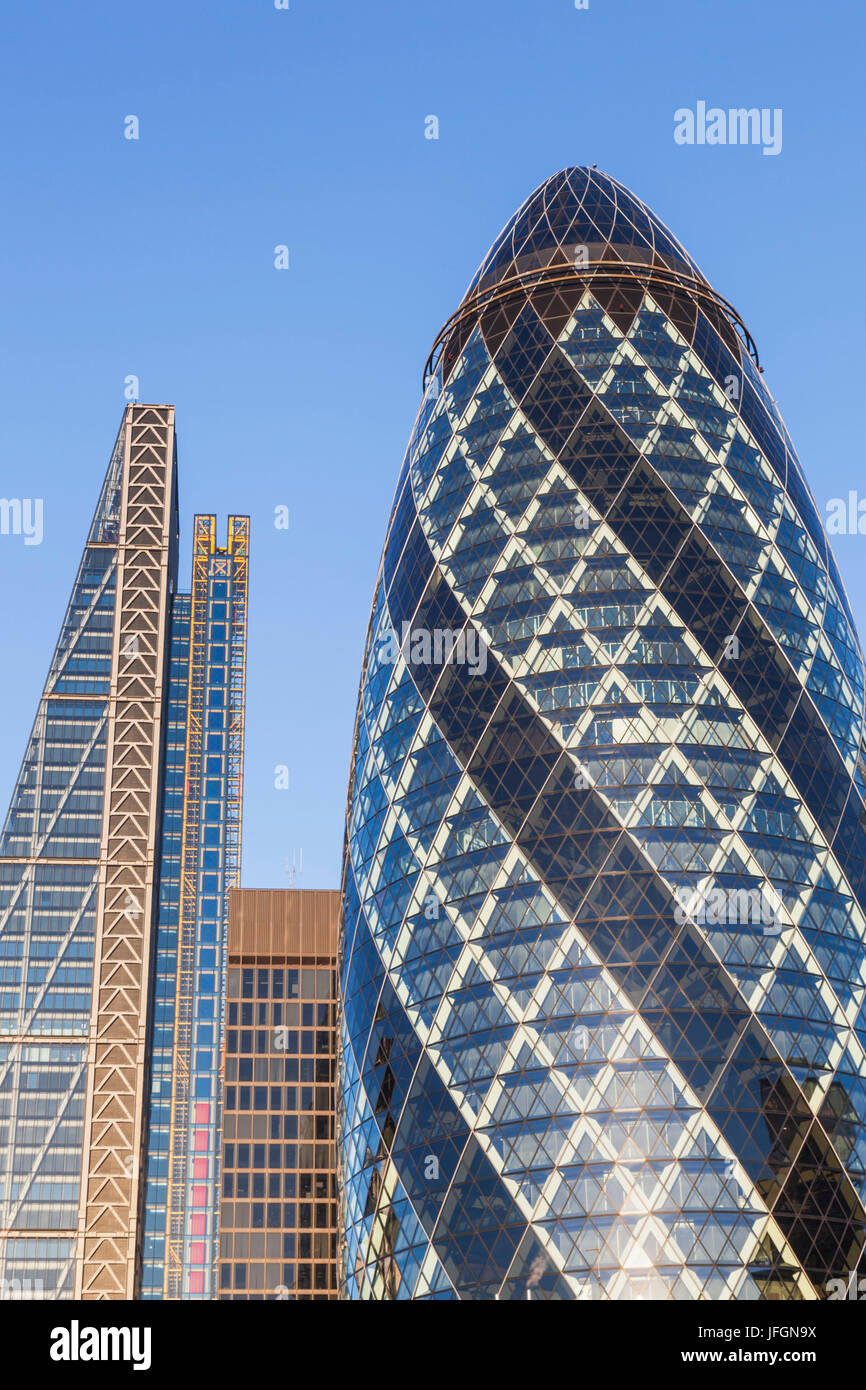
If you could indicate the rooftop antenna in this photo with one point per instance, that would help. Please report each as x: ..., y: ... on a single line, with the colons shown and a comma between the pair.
x: 297, y: 866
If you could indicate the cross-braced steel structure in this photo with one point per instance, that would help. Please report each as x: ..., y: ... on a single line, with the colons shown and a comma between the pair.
x: 604, y: 944
x: 78, y: 871
x: 136, y: 748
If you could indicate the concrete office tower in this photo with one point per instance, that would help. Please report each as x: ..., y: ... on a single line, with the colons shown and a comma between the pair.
x: 278, y: 1218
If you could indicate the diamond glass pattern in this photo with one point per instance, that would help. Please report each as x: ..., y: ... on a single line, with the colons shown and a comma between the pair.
x: 603, y: 943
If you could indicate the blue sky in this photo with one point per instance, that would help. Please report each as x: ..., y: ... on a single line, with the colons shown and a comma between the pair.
x: 305, y: 127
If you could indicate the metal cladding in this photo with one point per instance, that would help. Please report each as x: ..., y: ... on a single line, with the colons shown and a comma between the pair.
x: 77, y: 899
x: 603, y: 942
x: 278, y: 1225
x: 121, y: 842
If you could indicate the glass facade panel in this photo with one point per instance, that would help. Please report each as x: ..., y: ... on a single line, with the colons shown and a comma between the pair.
x: 605, y: 873
x: 120, y: 844
x: 201, y: 838
x: 74, y: 857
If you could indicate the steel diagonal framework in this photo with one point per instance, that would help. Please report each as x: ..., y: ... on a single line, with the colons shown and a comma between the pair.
x: 108, y: 1223
x: 579, y: 1059
x: 76, y: 852
x: 125, y: 817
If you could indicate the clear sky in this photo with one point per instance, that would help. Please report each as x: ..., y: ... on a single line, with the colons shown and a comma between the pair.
x: 305, y: 127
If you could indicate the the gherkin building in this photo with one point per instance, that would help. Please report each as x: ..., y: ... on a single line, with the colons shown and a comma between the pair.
x: 605, y: 876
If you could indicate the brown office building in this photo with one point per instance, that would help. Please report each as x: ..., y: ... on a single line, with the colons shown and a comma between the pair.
x: 278, y: 1211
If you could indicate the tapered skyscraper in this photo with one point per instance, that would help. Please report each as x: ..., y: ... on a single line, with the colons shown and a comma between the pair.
x: 77, y: 857
x: 122, y: 837
x: 605, y: 880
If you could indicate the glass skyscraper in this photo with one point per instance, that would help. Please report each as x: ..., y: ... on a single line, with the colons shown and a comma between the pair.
x: 201, y: 846
x: 132, y: 775
x: 605, y: 877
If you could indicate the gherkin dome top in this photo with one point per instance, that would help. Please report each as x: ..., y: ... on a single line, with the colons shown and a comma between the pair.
x: 580, y: 207
x: 582, y: 229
